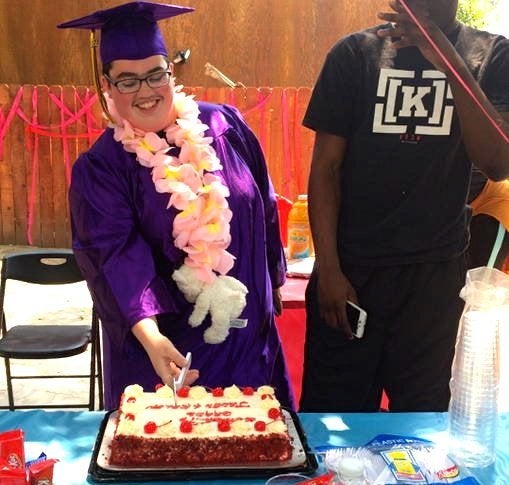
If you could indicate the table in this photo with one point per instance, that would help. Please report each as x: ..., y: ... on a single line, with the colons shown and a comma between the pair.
x: 70, y: 436
x: 293, y: 293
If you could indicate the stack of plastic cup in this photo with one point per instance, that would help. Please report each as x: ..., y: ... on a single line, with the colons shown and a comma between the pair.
x: 473, y: 409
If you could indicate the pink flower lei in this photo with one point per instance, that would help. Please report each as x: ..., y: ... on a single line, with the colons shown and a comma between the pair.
x: 202, y: 227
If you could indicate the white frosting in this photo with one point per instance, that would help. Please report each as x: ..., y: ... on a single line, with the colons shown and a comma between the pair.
x: 164, y: 391
x: 198, y: 393
x: 232, y: 392
x: 265, y: 390
x: 206, y: 413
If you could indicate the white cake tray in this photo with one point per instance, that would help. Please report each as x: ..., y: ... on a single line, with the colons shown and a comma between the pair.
x: 100, y: 470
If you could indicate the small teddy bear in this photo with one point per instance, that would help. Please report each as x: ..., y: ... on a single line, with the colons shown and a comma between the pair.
x: 224, y: 299
x: 188, y: 283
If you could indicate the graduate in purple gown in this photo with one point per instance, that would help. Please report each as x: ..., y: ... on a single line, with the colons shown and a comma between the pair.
x: 175, y: 225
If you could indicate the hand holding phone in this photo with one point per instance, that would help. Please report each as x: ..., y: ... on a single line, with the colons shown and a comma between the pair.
x: 356, y: 318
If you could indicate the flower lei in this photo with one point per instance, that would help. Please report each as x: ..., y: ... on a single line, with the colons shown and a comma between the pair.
x: 202, y: 227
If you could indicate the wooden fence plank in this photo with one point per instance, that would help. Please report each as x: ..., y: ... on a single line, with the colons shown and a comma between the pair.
x: 32, y: 168
x: 5, y: 99
x: 304, y: 140
x: 17, y: 147
x: 6, y: 179
x: 21, y: 161
x: 251, y: 110
x: 275, y: 141
x: 288, y: 141
x: 87, y: 122
x: 43, y: 227
x: 258, y: 119
x: 62, y: 152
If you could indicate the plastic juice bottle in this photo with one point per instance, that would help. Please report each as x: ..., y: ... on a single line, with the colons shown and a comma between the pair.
x: 300, y: 243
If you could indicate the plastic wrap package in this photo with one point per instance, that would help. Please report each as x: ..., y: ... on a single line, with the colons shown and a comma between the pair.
x: 475, y: 372
x: 393, y: 459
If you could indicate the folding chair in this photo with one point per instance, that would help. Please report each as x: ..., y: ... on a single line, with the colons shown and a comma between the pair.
x: 47, y: 341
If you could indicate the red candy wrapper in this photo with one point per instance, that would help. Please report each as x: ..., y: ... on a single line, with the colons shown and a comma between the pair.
x: 12, y: 450
x: 326, y: 479
x: 12, y: 476
x: 13, y: 468
x: 41, y: 472
x: 12, y: 458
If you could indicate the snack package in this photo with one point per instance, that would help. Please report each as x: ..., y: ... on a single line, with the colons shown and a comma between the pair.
x: 12, y: 458
x: 12, y: 476
x: 13, y: 468
x: 41, y: 473
x: 394, y: 459
x: 12, y: 450
x: 40, y: 470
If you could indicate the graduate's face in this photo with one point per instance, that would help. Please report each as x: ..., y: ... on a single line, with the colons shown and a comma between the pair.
x: 149, y: 108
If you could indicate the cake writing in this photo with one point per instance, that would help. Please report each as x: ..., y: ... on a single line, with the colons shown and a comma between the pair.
x: 208, y: 414
x: 197, y: 405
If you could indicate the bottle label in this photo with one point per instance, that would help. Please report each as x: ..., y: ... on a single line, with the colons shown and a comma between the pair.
x: 299, y: 241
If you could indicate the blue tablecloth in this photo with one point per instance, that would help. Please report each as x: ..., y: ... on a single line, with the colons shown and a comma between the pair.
x: 70, y: 437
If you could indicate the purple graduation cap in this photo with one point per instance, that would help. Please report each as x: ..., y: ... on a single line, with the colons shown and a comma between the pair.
x: 129, y: 31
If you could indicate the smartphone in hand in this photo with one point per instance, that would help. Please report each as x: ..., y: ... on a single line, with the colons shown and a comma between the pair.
x: 356, y: 317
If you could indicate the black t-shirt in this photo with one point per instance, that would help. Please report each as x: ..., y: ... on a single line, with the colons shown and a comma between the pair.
x: 405, y: 175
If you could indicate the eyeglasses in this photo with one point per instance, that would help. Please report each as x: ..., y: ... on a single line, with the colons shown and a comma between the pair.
x: 133, y: 84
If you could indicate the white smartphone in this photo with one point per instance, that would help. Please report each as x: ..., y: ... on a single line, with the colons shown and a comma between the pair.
x: 357, y: 318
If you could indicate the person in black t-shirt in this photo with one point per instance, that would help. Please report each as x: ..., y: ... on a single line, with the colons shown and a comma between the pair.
x: 396, y: 136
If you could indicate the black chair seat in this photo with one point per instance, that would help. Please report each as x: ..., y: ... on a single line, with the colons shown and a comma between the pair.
x: 45, y: 341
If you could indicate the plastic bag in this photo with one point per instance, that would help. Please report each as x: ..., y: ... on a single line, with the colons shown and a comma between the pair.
x: 393, y: 459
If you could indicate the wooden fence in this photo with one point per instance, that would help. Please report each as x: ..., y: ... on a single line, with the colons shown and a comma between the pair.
x: 44, y: 128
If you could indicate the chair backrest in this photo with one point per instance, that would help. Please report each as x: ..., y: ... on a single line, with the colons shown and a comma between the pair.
x: 44, y: 266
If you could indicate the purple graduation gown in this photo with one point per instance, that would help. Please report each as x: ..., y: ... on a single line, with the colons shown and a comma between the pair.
x: 122, y: 240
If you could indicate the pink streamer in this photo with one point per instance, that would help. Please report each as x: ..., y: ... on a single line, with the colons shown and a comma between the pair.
x: 90, y: 119
x: 73, y: 117
x: 455, y: 73
x: 297, y: 157
x: 7, y: 121
x: 51, y: 134
x: 258, y: 105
